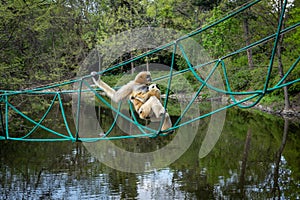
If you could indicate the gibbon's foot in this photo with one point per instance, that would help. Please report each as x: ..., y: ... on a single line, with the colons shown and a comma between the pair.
x: 162, y: 113
x: 167, y: 132
x: 93, y: 73
x: 101, y: 134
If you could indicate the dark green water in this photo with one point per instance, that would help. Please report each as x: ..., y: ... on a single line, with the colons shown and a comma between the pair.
x: 256, y: 157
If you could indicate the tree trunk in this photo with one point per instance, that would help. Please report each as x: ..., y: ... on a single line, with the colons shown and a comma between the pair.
x: 132, y: 64
x: 287, y: 104
x: 247, y: 38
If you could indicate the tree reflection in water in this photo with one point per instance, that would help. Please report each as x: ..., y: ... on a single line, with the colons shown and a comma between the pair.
x: 251, y: 160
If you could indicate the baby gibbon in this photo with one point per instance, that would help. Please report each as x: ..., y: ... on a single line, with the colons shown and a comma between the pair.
x: 138, y: 98
x: 148, y: 105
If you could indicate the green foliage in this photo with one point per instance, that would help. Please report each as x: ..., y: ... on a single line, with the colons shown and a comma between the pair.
x: 39, y: 41
x: 295, y: 88
x: 113, y: 80
x: 45, y: 41
x: 178, y: 15
x: 292, y: 39
x: 276, y: 101
x: 241, y: 80
x: 221, y: 39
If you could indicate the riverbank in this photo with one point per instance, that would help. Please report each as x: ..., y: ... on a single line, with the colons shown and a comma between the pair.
x: 276, y: 108
x: 273, y: 108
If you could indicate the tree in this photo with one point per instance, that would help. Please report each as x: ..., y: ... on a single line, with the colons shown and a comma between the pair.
x: 223, y: 38
x: 41, y: 42
x: 287, y: 104
x: 247, y: 17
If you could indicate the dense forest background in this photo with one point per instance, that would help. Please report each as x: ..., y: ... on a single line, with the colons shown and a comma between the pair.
x: 44, y: 41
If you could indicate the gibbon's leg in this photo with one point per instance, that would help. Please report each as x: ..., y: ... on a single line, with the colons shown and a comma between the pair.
x: 157, y: 107
x: 136, y: 101
x: 154, y: 108
x: 145, y: 111
x: 167, y: 122
x: 158, y: 110
x: 151, y: 106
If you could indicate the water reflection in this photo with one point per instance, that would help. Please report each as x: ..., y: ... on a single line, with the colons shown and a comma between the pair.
x: 251, y: 160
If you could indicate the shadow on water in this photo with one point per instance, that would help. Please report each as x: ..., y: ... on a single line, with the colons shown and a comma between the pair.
x: 256, y: 157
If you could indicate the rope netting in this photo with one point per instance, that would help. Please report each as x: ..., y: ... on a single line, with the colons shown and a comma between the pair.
x: 254, y: 97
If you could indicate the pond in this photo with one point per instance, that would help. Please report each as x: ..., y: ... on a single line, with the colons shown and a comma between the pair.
x: 256, y: 157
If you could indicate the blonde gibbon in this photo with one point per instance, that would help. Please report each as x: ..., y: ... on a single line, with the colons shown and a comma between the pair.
x: 148, y: 105
x: 138, y: 98
x: 140, y: 83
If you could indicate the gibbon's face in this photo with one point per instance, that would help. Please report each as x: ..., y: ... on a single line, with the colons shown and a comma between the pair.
x: 153, y: 87
x: 143, y: 78
x: 144, y: 113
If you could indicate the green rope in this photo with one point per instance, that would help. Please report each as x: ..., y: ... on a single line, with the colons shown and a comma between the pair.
x: 6, y: 118
x: 115, y: 110
x: 64, y: 117
x: 115, y: 121
x: 197, y: 94
x: 280, y: 82
x: 213, y: 112
x: 168, y: 88
x: 34, y: 122
x: 274, y: 47
x: 42, y: 119
x: 136, y: 123
x: 78, y: 109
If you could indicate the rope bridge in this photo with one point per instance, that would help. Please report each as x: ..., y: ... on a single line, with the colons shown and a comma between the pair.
x: 254, y: 96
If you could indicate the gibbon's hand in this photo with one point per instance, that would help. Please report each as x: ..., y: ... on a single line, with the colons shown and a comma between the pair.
x: 93, y: 73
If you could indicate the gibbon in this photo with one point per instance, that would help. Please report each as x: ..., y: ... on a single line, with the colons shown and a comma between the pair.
x: 140, y: 97
x: 140, y: 83
x: 146, y: 98
x: 147, y: 105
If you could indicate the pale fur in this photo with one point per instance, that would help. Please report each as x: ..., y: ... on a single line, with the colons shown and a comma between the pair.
x: 153, y: 108
x: 138, y: 98
x: 141, y: 81
x: 148, y: 105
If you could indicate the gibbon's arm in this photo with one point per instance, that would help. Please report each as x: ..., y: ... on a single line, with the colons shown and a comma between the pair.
x: 106, y: 88
x: 124, y: 92
x: 142, y: 96
x: 140, y: 82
